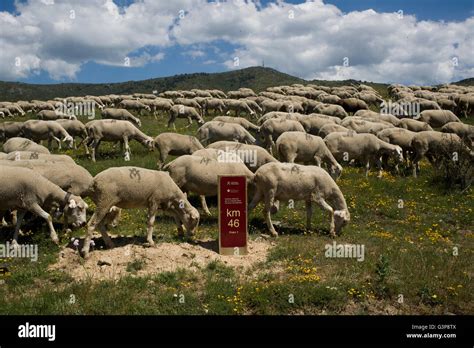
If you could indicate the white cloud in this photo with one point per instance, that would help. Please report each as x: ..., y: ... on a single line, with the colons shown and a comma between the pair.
x: 309, y: 40
x: 312, y: 39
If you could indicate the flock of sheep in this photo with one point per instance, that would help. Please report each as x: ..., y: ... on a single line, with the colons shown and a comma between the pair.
x: 261, y: 136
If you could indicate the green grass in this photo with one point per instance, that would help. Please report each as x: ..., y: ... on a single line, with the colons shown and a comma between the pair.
x: 408, y: 252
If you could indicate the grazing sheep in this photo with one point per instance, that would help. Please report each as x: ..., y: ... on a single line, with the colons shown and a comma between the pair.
x: 121, y: 114
x: 10, y: 130
x: 285, y: 181
x: 214, y: 104
x: 68, y: 176
x: 331, y: 128
x: 273, y: 128
x: 115, y: 130
x: 213, y: 131
x: 279, y: 115
x: 53, y: 115
x: 253, y: 156
x: 365, y: 148
x: 238, y: 106
x: 398, y: 136
x: 26, y: 190
x: 75, y: 128
x: 314, y: 122
x: 176, y: 145
x: 218, y: 155
x: 200, y: 175
x: 182, y: 111
x: 189, y: 102
x: 303, y: 147
x: 414, y: 125
x: 238, y: 120
x: 30, y: 155
x: 363, y: 126
x: 331, y: 110
x: 5, y: 112
x: 352, y: 105
x: 134, y: 105
x: 375, y: 117
x: 134, y: 187
x: 437, y: 118
x: 435, y: 145
x: 464, y: 131
x: 38, y: 130
x: 23, y: 144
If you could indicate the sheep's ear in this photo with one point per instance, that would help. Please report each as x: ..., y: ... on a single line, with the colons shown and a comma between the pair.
x: 186, y: 194
x: 72, y: 204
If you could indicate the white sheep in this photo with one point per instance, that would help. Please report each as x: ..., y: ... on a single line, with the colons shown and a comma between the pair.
x: 303, y: 147
x: 134, y: 187
x: 25, y: 190
x: 200, y: 175
x: 285, y: 181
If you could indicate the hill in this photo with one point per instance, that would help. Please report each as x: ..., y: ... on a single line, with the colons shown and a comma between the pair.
x: 465, y: 82
x: 257, y: 78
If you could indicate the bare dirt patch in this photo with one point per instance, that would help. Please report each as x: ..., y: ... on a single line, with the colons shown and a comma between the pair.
x: 138, y: 260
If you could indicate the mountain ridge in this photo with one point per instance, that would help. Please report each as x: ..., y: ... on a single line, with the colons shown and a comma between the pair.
x: 257, y: 78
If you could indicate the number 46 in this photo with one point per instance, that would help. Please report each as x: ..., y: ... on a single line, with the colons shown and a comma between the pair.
x: 234, y: 223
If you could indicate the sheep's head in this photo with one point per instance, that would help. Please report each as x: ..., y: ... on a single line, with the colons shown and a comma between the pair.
x: 188, y: 215
x: 69, y: 140
x: 398, y: 153
x: 341, y: 218
x: 150, y: 143
x: 336, y: 171
x: 75, y: 211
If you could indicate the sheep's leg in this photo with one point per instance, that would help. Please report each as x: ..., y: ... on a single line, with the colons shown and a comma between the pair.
x: 102, y: 227
x: 85, y: 146
x: 367, y: 167
x: 323, y: 204
x: 317, y: 160
x: 378, y: 163
x: 150, y: 224
x: 94, y: 146
x: 180, y: 226
x: 36, y: 209
x: 269, y: 201
x: 204, y: 205
x: 19, y: 220
x: 256, y: 199
x: 309, y: 214
x: 125, y: 143
x: 163, y: 157
x: 415, y: 163
x: 58, y: 141
x: 190, y: 122
x: 269, y: 143
x: 94, y: 221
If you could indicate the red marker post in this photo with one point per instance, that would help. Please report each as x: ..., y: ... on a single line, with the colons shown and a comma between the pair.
x: 232, y: 197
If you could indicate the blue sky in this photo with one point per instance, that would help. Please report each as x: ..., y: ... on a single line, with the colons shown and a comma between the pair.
x: 301, y: 47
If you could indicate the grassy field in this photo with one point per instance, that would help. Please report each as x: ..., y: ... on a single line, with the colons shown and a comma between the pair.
x: 418, y: 242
